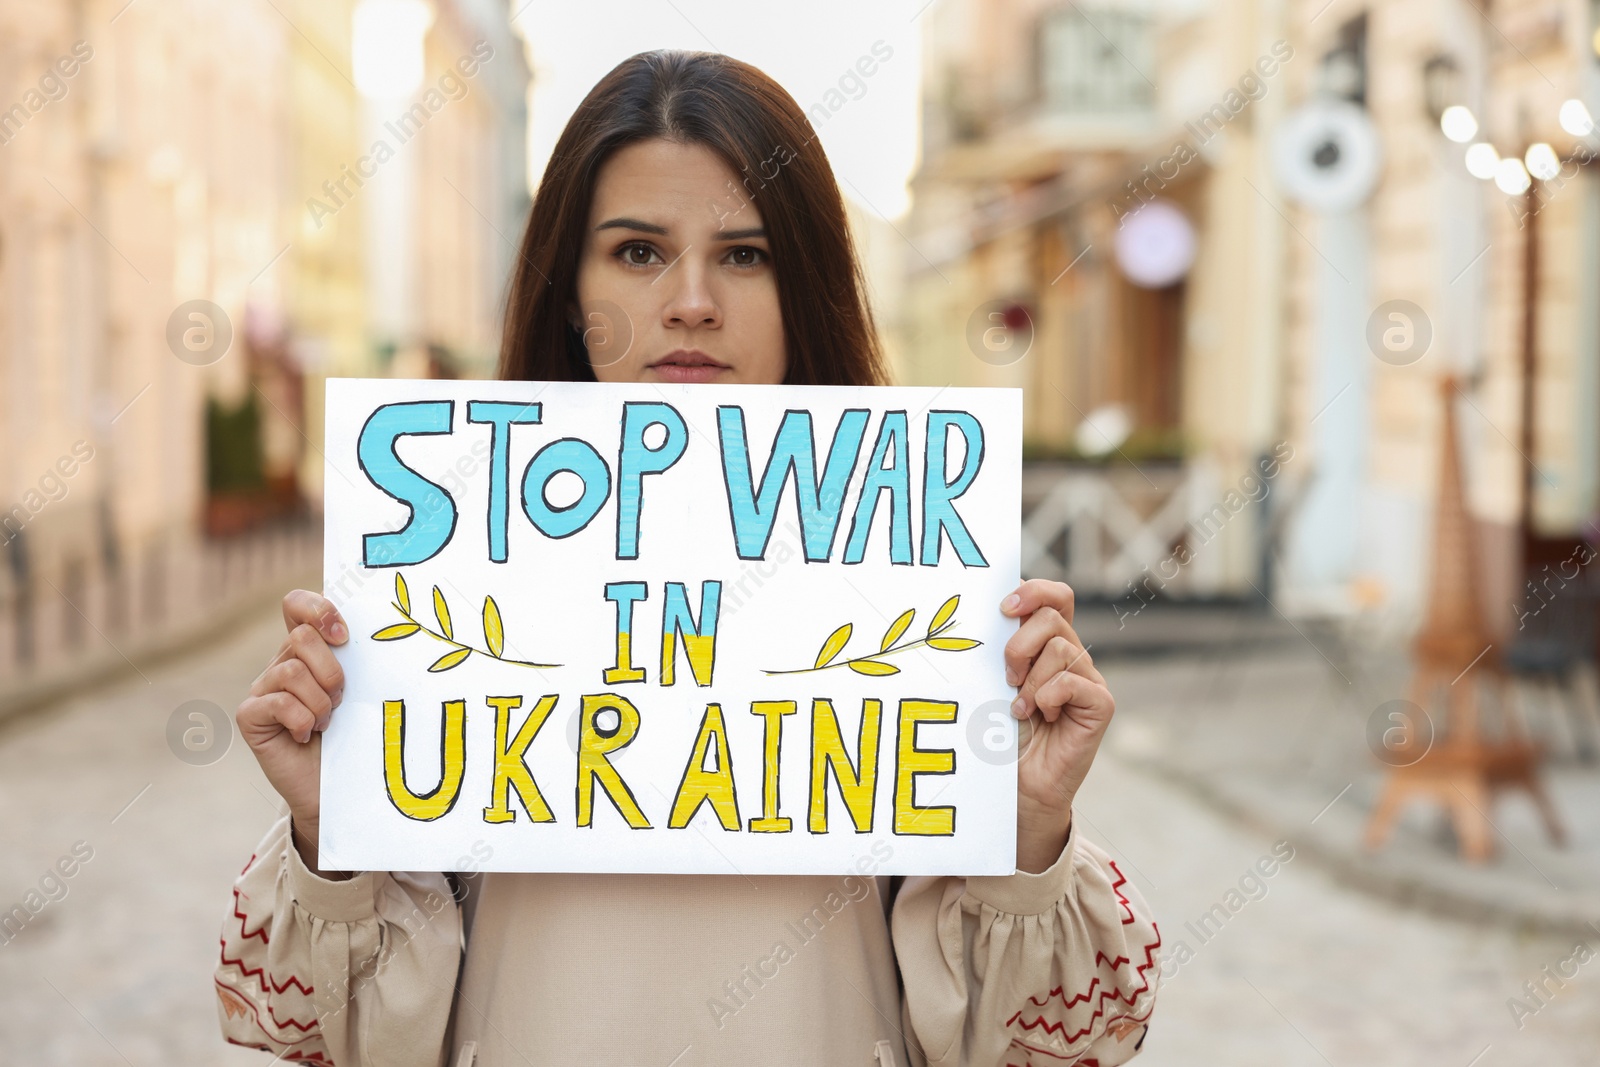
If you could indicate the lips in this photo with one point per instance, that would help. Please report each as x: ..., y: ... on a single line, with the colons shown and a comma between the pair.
x: 687, y: 365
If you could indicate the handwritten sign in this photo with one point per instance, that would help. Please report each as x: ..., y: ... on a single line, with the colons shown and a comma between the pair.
x: 692, y: 629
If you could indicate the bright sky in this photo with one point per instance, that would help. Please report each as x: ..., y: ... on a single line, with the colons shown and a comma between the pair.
x: 806, y: 47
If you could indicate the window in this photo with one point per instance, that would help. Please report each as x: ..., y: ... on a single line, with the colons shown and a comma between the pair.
x: 1095, y: 61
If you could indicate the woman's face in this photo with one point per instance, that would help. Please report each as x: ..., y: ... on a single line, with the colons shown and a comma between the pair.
x: 676, y: 282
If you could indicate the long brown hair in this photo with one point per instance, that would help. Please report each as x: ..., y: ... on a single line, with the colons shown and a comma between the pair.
x: 741, y: 114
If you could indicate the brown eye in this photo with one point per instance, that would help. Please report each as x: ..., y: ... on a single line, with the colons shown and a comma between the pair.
x: 746, y: 256
x: 636, y: 254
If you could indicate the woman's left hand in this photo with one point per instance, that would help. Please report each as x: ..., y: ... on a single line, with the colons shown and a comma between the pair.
x: 1070, y: 706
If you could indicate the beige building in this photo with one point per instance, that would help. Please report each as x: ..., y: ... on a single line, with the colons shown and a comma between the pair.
x: 169, y: 304
x: 1047, y: 126
x: 1524, y: 342
x: 421, y: 197
x: 137, y: 174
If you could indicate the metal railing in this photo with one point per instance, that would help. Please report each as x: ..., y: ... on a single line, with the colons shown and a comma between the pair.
x: 1104, y: 530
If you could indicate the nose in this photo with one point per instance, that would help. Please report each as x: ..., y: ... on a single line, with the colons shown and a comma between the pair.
x: 689, y: 301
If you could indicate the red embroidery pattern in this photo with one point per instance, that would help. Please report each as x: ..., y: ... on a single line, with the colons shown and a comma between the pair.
x: 265, y: 981
x: 1112, y: 993
x: 1116, y: 887
x: 244, y: 935
x: 1126, y: 1021
x: 313, y: 1027
x: 235, y: 1001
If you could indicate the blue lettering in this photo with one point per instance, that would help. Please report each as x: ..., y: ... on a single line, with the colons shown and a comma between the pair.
x: 634, y: 461
x: 938, y: 513
x: 793, y: 450
x: 433, y: 512
x: 501, y: 416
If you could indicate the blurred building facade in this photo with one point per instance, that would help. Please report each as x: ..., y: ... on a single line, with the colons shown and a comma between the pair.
x: 1049, y: 127
x: 171, y: 298
x: 1505, y: 282
x: 1045, y: 126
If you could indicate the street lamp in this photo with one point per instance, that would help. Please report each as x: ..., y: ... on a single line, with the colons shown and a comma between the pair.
x: 1458, y: 123
x: 1511, y: 176
x: 1541, y: 161
x: 1482, y: 160
x: 1575, y: 118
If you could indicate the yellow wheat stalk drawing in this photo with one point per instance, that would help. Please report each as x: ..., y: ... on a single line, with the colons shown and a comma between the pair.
x: 873, y: 664
x: 494, y: 631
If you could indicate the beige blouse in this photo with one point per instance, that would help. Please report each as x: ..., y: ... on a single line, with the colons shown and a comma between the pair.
x: 528, y: 970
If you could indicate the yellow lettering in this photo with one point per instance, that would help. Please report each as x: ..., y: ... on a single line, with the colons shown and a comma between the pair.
x: 773, y: 712
x: 624, y: 671
x: 594, y: 762
x: 699, y: 638
x: 857, y: 787
x: 510, y: 766
x: 452, y: 761
x: 911, y: 761
x: 700, y: 785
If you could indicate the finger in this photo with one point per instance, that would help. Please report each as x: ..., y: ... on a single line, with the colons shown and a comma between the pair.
x: 292, y: 676
x: 1060, y: 653
x: 305, y: 645
x: 310, y: 648
x: 1081, y: 662
x: 304, y: 606
x: 1036, y: 593
x: 263, y: 717
x: 1086, y: 703
x: 1024, y: 646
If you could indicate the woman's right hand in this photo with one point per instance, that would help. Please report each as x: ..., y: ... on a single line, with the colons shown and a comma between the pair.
x: 289, y: 706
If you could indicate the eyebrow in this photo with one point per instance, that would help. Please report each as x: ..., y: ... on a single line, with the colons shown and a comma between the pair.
x: 625, y: 223
x: 632, y: 224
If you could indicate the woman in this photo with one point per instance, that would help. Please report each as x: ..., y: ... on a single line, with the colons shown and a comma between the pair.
x: 689, y: 229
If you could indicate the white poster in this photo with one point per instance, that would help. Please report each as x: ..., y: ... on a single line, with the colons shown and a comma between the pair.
x: 691, y: 629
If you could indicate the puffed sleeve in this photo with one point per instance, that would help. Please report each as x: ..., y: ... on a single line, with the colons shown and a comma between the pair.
x: 1058, y: 967
x: 357, y: 972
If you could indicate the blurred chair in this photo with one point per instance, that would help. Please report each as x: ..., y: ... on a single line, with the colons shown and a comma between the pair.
x: 1548, y: 655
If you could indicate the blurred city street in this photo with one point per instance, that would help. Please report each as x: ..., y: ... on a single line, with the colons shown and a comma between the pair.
x: 1300, y: 300
x: 1310, y: 971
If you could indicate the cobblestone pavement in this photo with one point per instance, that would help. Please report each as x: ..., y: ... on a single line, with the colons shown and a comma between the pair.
x: 118, y: 971
x: 1283, y: 734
